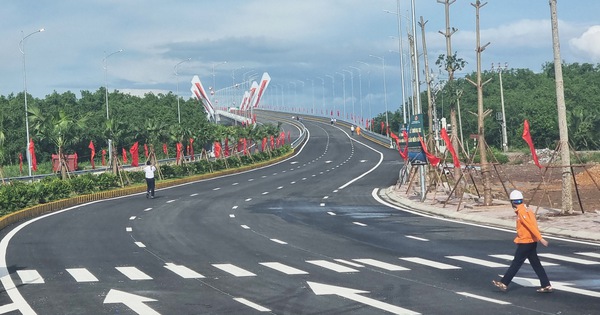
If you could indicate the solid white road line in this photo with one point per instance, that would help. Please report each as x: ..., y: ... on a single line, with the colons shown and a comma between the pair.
x: 284, y: 268
x: 483, y: 298
x: 430, y: 263
x: 234, y: 270
x: 183, y: 271
x: 82, y: 275
x: 381, y: 264
x: 278, y: 241
x: 331, y: 266
x: 570, y: 259
x: 252, y: 305
x: 30, y: 276
x: 133, y: 273
x: 510, y: 258
x: 417, y: 238
x: 477, y: 261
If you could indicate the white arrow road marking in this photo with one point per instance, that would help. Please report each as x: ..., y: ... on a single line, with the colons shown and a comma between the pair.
x: 134, y: 302
x: 353, y: 294
x: 562, y: 286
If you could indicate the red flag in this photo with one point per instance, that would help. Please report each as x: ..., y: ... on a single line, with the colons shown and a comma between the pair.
x: 264, y: 143
x: 93, y: 153
x: 165, y: 150
x: 32, y: 154
x: 192, y: 148
x: 217, y: 149
x: 381, y: 127
x: 103, y: 157
x: 134, y: 154
x: 179, y: 148
x: 527, y: 138
x: 124, y: 156
x: 146, y: 150
x: 433, y: 160
x: 20, y: 162
x: 404, y: 153
x: 272, y: 143
x: 450, y: 148
x: 245, y: 146
x: 226, y: 147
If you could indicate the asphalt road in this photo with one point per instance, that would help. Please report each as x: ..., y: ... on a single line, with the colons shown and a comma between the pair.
x: 305, y: 236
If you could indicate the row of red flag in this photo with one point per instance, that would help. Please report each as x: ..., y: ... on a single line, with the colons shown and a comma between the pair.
x: 434, y: 160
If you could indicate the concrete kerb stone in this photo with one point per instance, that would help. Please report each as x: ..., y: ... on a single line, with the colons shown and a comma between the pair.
x: 549, y: 227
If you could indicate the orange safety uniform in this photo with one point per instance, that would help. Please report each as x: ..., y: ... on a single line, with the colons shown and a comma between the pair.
x: 527, y: 228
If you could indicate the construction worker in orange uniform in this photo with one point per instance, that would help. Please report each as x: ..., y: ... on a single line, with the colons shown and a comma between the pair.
x: 528, y: 235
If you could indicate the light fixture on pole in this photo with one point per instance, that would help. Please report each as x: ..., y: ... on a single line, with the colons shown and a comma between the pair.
x: 105, y: 66
x: 177, y: 78
x: 22, y: 49
x: 384, y: 91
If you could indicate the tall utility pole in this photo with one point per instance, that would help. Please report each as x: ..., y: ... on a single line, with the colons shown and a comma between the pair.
x: 450, y: 68
x: 431, y: 107
x: 567, y: 197
x: 485, y: 167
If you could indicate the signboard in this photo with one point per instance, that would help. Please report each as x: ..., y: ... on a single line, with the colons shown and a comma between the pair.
x: 416, y: 156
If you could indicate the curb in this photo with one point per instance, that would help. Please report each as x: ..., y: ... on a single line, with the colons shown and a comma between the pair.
x: 390, y: 196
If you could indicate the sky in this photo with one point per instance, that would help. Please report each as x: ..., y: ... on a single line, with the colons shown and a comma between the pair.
x: 300, y: 44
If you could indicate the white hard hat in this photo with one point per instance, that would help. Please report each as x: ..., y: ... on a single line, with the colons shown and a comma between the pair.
x: 516, y: 195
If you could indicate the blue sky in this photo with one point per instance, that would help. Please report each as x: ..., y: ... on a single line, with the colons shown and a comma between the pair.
x: 295, y: 41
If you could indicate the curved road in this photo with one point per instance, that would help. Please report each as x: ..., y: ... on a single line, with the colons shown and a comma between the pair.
x: 308, y: 235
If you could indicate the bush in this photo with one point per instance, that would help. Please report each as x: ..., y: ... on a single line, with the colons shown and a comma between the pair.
x: 84, y: 184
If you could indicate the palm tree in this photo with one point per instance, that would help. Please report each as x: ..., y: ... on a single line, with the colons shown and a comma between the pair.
x: 60, y: 129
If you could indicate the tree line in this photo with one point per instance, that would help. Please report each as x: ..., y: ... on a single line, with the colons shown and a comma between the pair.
x: 65, y: 123
x: 527, y: 95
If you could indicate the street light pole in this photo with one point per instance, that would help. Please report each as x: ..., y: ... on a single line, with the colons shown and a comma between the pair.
x: 177, y: 77
x: 105, y: 63
x: 384, y: 91
x: 313, y: 94
x: 504, y: 137
x: 322, y: 94
x: 22, y: 49
x: 352, y: 92
x: 343, y: 90
x: 332, y: 94
x: 214, y: 89
x: 359, y: 90
x: 369, y: 90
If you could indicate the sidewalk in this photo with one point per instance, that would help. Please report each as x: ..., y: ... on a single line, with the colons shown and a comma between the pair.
x: 579, y: 226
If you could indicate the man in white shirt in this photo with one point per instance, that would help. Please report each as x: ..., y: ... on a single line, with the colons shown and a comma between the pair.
x: 149, y: 169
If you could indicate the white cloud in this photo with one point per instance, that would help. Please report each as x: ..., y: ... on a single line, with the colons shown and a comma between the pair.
x: 588, y: 43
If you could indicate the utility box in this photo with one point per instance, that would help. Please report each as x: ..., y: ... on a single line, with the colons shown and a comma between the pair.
x: 71, y: 161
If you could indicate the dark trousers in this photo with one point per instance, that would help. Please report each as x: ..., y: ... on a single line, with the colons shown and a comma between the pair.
x: 150, y: 186
x: 526, y: 251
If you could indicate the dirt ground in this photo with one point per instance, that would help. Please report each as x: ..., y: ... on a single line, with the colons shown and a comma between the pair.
x: 543, y: 187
